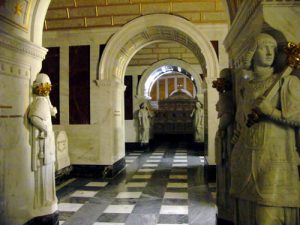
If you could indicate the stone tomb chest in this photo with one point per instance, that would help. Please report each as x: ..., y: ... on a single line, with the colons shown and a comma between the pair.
x: 173, y: 114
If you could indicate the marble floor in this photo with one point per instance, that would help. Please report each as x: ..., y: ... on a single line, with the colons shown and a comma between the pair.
x: 162, y: 187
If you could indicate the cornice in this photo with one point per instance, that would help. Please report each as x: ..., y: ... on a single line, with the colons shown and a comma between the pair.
x: 246, y: 11
x: 22, y: 46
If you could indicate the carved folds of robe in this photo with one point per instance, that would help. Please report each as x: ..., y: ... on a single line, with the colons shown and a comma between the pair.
x: 43, y: 154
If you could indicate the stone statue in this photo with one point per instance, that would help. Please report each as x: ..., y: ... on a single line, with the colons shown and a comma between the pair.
x: 264, y: 161
x: 43, y: 149
x: 225, y: 109
x: 198, y: 114
x: 144, y: 124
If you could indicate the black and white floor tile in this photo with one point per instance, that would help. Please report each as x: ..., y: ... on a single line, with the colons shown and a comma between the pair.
x: 163, y: 187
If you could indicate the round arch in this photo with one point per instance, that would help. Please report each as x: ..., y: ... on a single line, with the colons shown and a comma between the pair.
x: 153, y: 28
x: 171, y: 62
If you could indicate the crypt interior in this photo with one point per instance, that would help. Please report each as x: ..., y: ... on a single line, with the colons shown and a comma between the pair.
x: 139, y: 135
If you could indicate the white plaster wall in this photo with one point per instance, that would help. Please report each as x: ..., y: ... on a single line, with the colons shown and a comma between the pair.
x: 84, y: 141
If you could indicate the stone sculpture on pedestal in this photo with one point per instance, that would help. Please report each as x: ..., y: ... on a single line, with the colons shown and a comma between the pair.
x: 264, y: 161
x: 144, y: 124
x: 198, y: 122
x: 225, y: 109
x: 43, y: 149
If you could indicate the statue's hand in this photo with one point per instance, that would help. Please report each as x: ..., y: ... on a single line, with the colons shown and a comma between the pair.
x: 53, y: 111
x: 263, y: 106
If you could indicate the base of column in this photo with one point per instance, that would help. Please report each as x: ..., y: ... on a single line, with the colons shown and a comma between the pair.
x: 210, y: 173
x: 51, y: 219
x: 221, y: 221
x: 63, y: 175
x: 98, y: 171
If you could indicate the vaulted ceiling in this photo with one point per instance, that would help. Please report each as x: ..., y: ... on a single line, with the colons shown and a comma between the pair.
x: 163, y: 50
x: 82, y: 14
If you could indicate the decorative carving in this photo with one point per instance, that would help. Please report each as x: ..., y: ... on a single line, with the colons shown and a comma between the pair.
x: 222, y: 85
x: 293, y: 52
x: 62, y: 151
x: 264, y: 161
x: 16, y: 12
x: 12, y: 69
x: 159, y: 33
x: 22, y: 46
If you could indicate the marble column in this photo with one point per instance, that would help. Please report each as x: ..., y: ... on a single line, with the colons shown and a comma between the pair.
x: 20, y: 62
x: 111, y: 121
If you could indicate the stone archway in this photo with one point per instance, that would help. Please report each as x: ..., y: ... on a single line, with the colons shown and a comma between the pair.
x: 155, y: 28
x: 117, y: 55
x: 22, y: 57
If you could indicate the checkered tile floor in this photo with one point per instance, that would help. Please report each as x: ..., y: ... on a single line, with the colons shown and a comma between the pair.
x: 163, y: 187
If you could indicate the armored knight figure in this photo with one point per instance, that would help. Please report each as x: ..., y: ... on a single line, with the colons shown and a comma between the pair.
x: 264, y: 161
x: 43, y: 142
x: 225, y: 109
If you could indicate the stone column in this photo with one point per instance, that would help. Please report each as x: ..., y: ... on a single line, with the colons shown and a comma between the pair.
x: 111, y: 121
x: 64, y: 85
x: 20, y: 62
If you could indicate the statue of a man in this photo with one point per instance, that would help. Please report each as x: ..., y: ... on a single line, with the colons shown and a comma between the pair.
x: 43, y: 144
x: 198, y: 114
x: 225, y: 109
x: 264, y: 161
x: 144, y: 124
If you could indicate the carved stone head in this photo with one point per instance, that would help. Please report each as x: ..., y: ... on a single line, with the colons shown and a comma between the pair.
x: 42, y: 85
x: 261, y: 52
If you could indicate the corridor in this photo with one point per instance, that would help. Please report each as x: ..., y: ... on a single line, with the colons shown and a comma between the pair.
x: 162, y: 187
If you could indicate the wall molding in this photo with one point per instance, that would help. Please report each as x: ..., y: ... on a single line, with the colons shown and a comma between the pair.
x: 256, y: 16
x: 11, y: 68
x: 17, y: 44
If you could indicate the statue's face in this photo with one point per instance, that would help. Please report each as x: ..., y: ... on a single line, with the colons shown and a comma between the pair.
x: 265, y: 53
x: 43, y: 89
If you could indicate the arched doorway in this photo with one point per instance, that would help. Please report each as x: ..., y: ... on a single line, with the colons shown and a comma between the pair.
x: 143, y: 90
x: 133, y: 37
